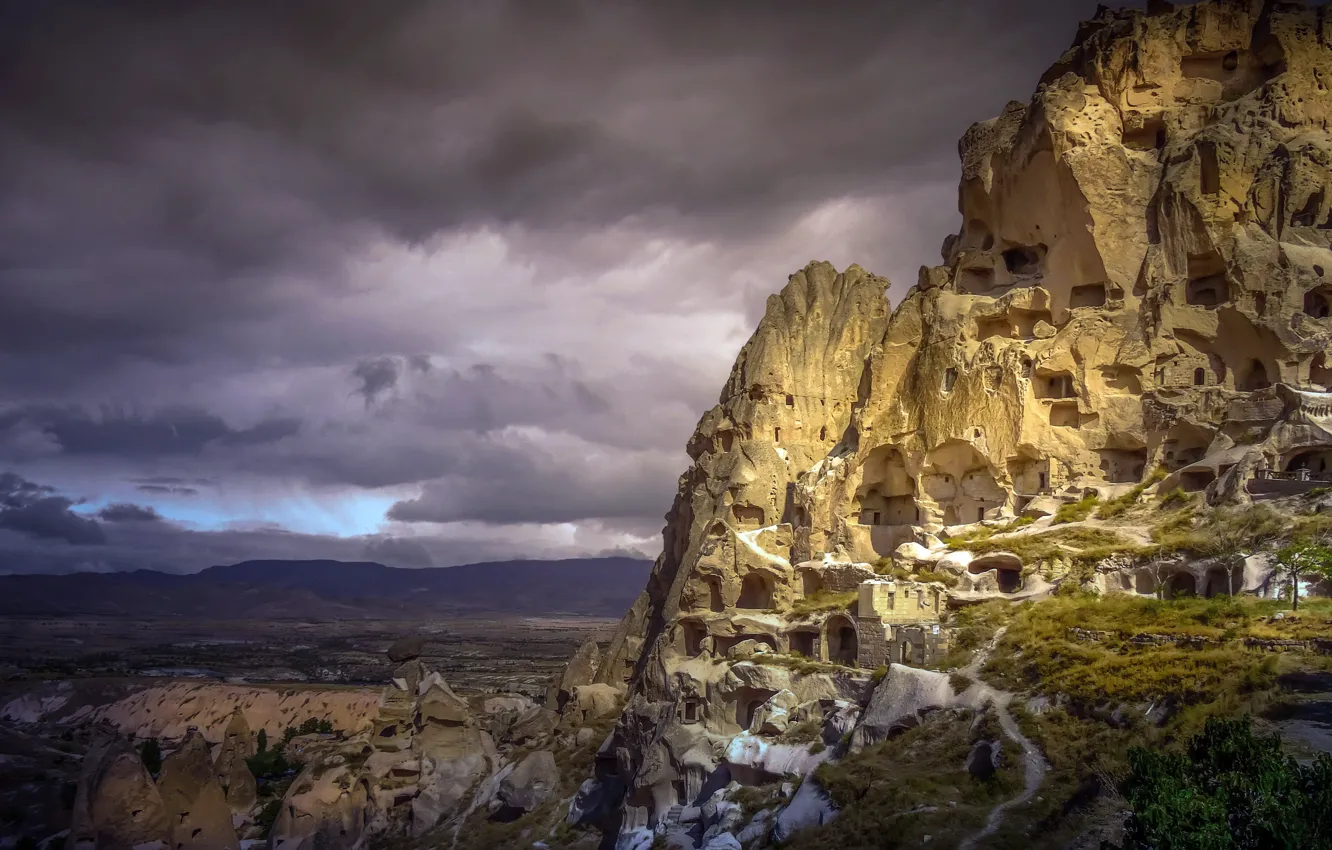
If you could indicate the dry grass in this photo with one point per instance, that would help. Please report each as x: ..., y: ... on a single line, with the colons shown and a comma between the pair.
x: 823, y: 600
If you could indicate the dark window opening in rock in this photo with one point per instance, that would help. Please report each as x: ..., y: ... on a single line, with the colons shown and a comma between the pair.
x: 802, y: 643
x: 1023, y: 260
x: 755, y: 593
x: 1318, y: 302
x: 694, y: 633
x: 842, y: 642
x: 790, y: 400
x: 195, y: 833
x: 1010, y: 581
x: 727, y: 438
x: 975, y: 281
x: 691, y: 711
x: 992, y: 327
x: 823, y: 433
x: 1199, y: 376
x: 1218, y: 584
x: 1180, y: 586
x: 811, y: 582
x: 1151, y: 136
x: 715, y: 595
x: 1231, y: 61
x: 1196, y: 480
x: 1319, y: 373
x: 1042, y: 481
x: 1318, y: 270
x: 1208, y: 291
x: 1055, y: 385
x: 1026, y: 367
x: 1255, y: 378
x: 950, y: 379
x: 388, y: 732
x: 1064, y: 415
x: 1090, y: 295
x: 1144, y: 584
x: 1308, y: 214
x: 1260, y: 303
x: 980, y: 514
x: 1209, y: 169
x: 876, y: 520
x: 747, y: 515
x: 776, y: 435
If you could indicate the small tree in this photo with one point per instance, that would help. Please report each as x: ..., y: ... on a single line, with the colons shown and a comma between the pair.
x: 262, y: 740
x: 151, y: 753
x: 1302, y: 558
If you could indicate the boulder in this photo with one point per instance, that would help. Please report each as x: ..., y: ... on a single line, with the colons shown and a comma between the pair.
x: 772, y: 717
x: 407, y: 649
x: 899, y: 702
x: 810, y: 806
x: 984, y: 759
x: 534, y: 779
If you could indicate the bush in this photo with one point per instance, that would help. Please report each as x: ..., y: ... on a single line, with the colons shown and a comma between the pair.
x: 824, y: 600
x: 1075, y: 511
x: 1229, y: 789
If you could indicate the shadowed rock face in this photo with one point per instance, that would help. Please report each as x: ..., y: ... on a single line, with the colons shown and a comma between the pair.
x: 232, y: 773
x: 1143, y: 279
x: 116, y: 806
x: 195, y: 803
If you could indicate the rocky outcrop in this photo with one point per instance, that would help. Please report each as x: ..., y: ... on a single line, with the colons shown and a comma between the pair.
x: 1142, y: 280
x: 116, y: 805
x: 237, y: 745
x: 195, y: 804
x: 580, y: 670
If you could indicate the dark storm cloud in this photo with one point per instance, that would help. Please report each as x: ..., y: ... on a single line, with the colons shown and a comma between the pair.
x: 399, y: 552
x: 494, y: 252
x: 128, y: 512
x: 121, y: 433
x: 33, y: 510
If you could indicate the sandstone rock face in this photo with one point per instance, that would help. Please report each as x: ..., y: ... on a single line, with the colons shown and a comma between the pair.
x: 1142, y: 279
x: 238, y: 744
x: 195, y: 803
x: 116, y: 805
x: 580, y: 670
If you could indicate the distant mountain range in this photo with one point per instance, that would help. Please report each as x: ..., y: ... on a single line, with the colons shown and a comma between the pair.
x: 335, y: 590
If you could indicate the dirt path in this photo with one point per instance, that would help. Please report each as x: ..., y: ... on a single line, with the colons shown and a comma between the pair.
x: 1034, y: 766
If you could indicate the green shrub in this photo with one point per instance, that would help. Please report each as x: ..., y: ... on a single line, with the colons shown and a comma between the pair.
x: 151, y: 753
x: 1075, y: 511
x: 935, y: 575
x: 1227, y: 789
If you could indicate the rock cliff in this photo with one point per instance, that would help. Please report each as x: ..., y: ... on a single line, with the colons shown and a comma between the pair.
x: 1140, y: 296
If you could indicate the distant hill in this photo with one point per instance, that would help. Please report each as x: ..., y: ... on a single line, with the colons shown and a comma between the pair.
x: 336, y: 589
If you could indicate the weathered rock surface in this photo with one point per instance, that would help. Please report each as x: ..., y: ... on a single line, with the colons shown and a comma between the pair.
x: 116, y: 805
x: 527, y: 785
x: 238, y: 744
x: 195, y: 803
x: 1142, y: 279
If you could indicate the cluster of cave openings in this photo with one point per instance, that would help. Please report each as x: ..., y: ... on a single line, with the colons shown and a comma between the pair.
x: 755, y: 592
x: 843, y: 643
x: 804, y: 643
x: 1024, y: 260
x: 1318, y: 302
x: 1055, y: 385
x: 1254, y: 377
x: 1123, y: 466
x: 1064, y: 414
x: 1087, y: 295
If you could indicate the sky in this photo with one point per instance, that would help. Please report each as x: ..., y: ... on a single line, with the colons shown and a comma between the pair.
x: 431, y: 282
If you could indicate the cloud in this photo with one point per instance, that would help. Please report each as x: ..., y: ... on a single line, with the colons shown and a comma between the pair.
x: 127, y: 512
x: 30, y: 509
x: 484, y: 263
x: 398, y: 551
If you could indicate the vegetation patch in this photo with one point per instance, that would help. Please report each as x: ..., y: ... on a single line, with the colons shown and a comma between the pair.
x: 1076, y: 511
x: 896, y: 792
x: 823, y: 600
